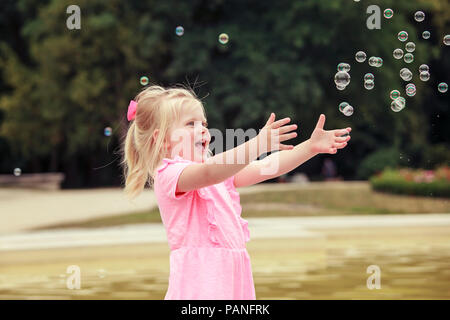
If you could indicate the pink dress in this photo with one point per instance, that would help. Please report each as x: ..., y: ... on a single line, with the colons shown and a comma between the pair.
x: 207, y: 237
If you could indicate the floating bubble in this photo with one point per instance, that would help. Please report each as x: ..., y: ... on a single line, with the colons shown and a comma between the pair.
x: 369, y: 76
x: 107, y: 131
x: 398, y: 54
x: 342, y: 78
x: 342, y: 105
x: 424, y: 68
x: 373, y: 61
x: 379, y: 62
x: 447, y: 40
x: 394, y: 94
x: 419, y: 16
x: 398, y: 104
x: 369, y: 84
x: 408, y: 58
x: 223, y: 38
x: 388, y: 13
x: 360, y: 56
x: 144, y: 80
x: 410, y: 90
x: 424, y: 76
x: 179, y: 31
x: 405, y: 74
x: 442, y: 87
x: 340, y: 87
x: 348, y: 111
x: 17, y: 172
x: 403, y: 36
x: 410, y: 47
x: 101, y: 273
x: 426, y: 35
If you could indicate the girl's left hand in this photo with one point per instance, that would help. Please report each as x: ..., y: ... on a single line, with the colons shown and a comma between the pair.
x: 328, y: 141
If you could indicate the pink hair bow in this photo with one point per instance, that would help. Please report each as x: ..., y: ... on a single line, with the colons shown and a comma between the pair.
x: 131, y: 110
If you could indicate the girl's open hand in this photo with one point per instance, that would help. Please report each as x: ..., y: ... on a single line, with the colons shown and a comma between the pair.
x: 275, y: 132
x: 328, y: 141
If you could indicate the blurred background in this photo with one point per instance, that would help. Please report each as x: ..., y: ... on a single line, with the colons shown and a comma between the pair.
x: 383, y: 200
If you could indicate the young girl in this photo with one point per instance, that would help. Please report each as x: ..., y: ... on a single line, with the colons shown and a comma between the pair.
x: 167, y: 146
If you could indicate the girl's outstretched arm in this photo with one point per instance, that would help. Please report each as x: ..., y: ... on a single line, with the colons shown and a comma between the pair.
x: 279, y: 163
x: 226, y: 164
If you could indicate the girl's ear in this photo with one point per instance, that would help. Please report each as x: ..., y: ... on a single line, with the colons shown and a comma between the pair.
x: 155, y: 136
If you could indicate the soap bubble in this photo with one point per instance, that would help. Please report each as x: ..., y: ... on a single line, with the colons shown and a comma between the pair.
x: 398, y: 104
x: 360, y: 56
x: 426, y: 35
x: 403, y: 36
x: 394, y: 94
x: 342, y: 78
x: 379, y: 62
x: 447, y: 40
x: 369, y: 76
x: 101, y: 273
x: 17, y: 172
x: 410, y: 90
x: 108, y: 131
x: 342, y: 105
x: 442, y: 87
x: 179, y: 31
x: 348, y: 110
x: 408, y: 58
x: 143, y: 80
x: 424, y: 68
x: 410, y: 47
x: 223, y: 38
x: 419, y: 16
x: 340, y: 87
x: 405, y: 74
x: 343, y: 67
x: 388, y: 13
x: 424, y: 76
x: 373, y: 61
x: 369, y: 84
x: 398, y: 54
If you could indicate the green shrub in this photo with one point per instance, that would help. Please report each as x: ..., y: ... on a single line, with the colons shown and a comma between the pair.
x: 413, y: 182
x: 377, y: 162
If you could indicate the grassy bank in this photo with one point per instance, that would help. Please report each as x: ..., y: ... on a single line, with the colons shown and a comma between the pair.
x: 325, y: 200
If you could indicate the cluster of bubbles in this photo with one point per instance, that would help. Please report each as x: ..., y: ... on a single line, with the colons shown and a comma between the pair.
x: 369, y: 81
x: 410, y: 90
x: 375, y: 62
x: 424, y: 72
x: 406, y: 74
x: 342, y: 77
x: 223, y: 37
x: 346, y: 108
x: 398, y: 104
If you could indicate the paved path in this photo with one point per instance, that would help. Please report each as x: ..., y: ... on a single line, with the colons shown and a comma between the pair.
x: 22, y: 209
x: 279, y: 227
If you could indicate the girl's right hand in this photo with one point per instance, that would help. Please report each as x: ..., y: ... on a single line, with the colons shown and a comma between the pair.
x: 275, y: 132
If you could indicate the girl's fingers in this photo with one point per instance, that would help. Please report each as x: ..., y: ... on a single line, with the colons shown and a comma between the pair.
x: 287, y: 136
x: 339, y: 145
x: 286, y: 147
x: 287, y: 128
x: 342, y: 139
x: 271, y: 119
x: 340, y: 132
x: 332, y: 150
x: 279, y: 123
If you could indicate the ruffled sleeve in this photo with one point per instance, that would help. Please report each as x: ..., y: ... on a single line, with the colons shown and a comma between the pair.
x: 234, y: 194
x: 168, y: 174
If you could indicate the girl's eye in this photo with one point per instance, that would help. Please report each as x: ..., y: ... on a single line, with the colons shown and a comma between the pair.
x: 191, y: 123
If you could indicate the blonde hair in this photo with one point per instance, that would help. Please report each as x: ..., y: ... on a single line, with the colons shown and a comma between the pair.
x: 157, y: 108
